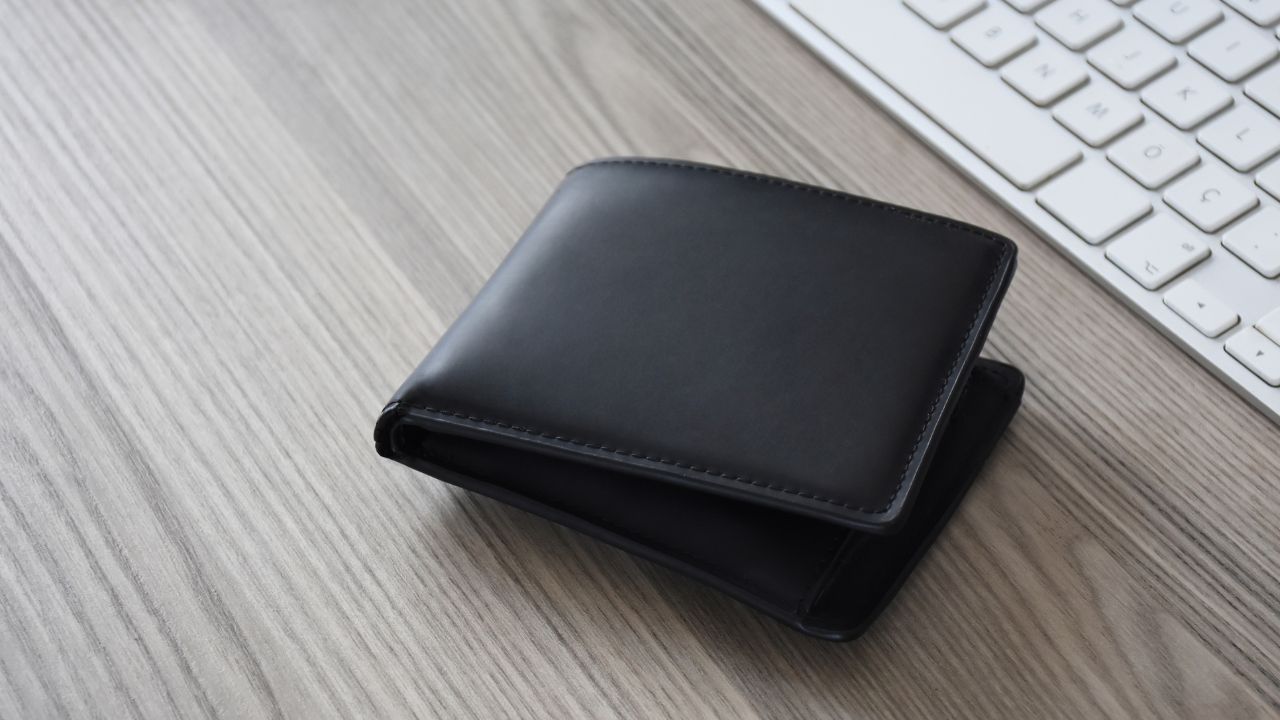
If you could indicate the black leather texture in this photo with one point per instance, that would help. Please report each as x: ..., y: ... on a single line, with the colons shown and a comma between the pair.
x: 769, y: 386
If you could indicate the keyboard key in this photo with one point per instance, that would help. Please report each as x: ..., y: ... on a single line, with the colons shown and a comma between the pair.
x: 1157, y: 251
x: 1098, y: 114
x: 1178, y: 20
x: 1187, y: 96
x: 1094, y: 200
x: 1262, y: 12
x: 1132, y: 56
x: 1257, y: 353
x: 1243, y: 138
x: 942, y: 14
x: 1027, y: 6
x: 1079, y: 23
x: 1153, y: 155
x: 1044, y: 74
x: 1023, y: 144
x: 1257, y: 241
x: 994, y: 35
x: 1232, y: 50
x: 985, y: 112
x: 1269, y: 325
x: 1210, y: 198
x: 1269, y: 179
x: 1199, y: 307
x: 1265, y: 88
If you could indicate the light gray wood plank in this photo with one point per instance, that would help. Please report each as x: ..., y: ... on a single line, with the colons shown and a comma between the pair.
x: 228, y: 230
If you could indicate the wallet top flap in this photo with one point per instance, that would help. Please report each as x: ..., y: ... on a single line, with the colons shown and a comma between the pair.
x: 751, y: 336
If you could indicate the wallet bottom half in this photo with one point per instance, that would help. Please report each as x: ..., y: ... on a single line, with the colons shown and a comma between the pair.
x: 823, y: 579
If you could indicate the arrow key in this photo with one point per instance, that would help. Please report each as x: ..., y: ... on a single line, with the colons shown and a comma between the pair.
x: 1199, y: 307
x: 1257, y: 353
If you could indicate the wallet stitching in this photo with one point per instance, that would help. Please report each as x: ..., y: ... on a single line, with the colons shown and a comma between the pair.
x: 697, y: 561
x: 738, y: 477
x: 825, y: 576
x: 791, y: 185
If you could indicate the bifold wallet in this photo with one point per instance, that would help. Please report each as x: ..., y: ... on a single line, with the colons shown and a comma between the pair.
x: 768, y: 386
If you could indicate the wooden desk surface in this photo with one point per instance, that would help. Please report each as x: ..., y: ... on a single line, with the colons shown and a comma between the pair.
x: 229, y: 228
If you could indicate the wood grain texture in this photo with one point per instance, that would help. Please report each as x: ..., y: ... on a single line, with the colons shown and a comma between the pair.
x: 229, y: 228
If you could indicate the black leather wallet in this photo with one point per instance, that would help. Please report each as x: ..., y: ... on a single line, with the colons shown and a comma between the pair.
x: 768, y: 386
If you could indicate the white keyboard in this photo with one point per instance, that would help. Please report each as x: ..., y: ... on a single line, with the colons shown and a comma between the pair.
x: 1141, y: 138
